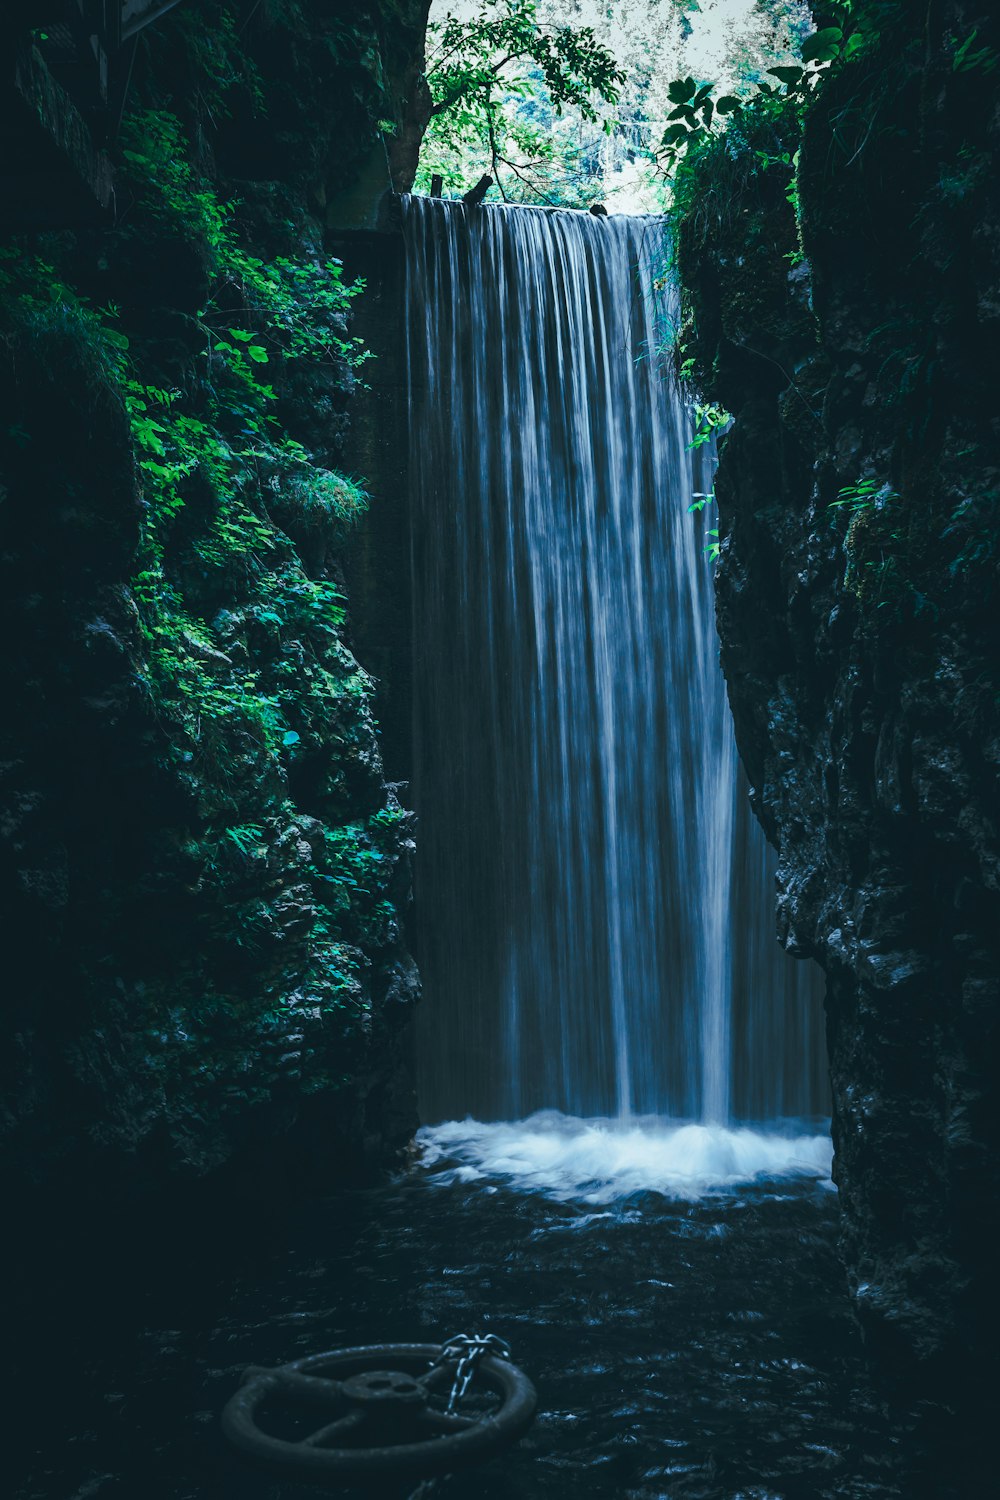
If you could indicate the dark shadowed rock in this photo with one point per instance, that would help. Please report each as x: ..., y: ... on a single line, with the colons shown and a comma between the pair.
x: 861, y: 644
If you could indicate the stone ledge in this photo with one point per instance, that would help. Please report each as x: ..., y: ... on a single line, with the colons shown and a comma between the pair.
x: 54, y: 177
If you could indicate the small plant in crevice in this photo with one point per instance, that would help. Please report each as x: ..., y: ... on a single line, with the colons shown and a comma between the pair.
x: 710, y: 419
x: 968, y: 58
x: 698, y: 504
x: 872, y: 542
x: 865, y: 495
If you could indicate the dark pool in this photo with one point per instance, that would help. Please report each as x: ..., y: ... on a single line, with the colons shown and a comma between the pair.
x: 698, y: 1350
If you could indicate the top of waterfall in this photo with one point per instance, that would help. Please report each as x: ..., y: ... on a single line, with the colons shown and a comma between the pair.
x: 457, y: 205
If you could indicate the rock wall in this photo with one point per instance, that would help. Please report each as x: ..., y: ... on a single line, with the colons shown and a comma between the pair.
x: 856, y: 345
x: 203, y: 876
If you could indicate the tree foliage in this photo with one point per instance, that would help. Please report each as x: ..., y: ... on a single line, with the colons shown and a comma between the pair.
x: 500, y: 79
x: 697, y: 110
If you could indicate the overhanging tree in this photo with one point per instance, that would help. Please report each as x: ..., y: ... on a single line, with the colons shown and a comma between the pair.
x: 500, y: 80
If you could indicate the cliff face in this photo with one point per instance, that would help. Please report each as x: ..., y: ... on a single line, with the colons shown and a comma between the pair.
x: 203, y: 875
x: 858, y: 610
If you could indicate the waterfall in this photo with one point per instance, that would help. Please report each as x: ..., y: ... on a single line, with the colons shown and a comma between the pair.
x: 594, y: 901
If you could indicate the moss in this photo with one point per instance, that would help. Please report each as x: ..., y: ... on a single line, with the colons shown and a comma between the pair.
x: 197, y: 827
x: 738, y: 245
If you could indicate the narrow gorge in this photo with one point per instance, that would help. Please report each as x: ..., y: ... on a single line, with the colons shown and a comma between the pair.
x: 500, y: 751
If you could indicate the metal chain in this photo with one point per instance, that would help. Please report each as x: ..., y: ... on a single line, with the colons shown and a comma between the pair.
x: 467, y: 1349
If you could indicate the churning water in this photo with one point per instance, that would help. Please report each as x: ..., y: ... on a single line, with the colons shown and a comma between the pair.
x: 604, y: 1161
x: 594, y: 902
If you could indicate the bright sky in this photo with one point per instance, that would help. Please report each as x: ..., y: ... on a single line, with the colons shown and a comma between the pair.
x: 715, y: 20
x: 704, y: 51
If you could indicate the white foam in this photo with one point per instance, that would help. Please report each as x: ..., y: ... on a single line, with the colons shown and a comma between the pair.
x: 601, y: 1161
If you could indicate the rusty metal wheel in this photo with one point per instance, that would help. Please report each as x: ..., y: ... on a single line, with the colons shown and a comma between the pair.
x: 377, y: 1413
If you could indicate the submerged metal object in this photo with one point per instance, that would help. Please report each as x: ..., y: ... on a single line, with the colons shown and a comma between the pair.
x: 375, y: 1412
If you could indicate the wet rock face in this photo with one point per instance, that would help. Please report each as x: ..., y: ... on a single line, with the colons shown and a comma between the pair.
x: 861, y: 640
x: 204, y: 877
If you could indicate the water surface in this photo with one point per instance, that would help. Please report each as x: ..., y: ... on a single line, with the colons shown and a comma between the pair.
x: 692, y: 1342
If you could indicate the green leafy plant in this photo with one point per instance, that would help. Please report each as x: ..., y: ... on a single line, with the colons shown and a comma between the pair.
x: 968, y: 58
x: 865, y: 495
x: 698, y: 504
x: 242, y: 703
x: 300, y: 308
x: 35, y: 296
x: 709, y: 419
x: 295, y: 311
x: 873, y: 540
x: 248, y: 838
x: 697, y: 113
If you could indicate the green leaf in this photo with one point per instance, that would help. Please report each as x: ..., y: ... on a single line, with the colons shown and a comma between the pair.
x: 681, y: 90
x: 823, y: 46
x: 700, y: 501
x: 289, y: 737
x: 258, y: 354
x: 727, y: 104
x: 787, y: 75
x: 960, y: 55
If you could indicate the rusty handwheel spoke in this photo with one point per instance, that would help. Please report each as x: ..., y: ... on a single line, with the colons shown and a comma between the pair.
x: 316, y: 1389
x: 439, y: 1422
x: 334, y: 1432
